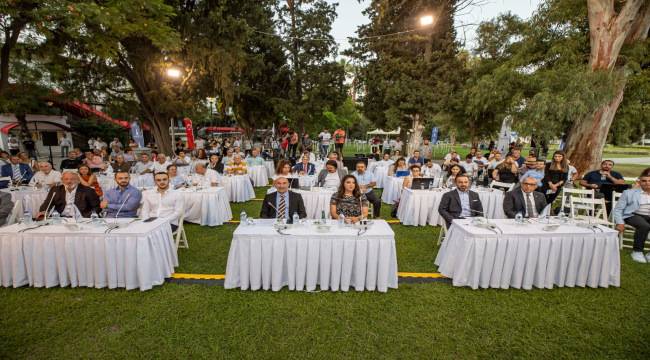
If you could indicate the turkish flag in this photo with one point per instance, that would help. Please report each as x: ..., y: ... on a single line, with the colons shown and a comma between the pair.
x: 189, y: 132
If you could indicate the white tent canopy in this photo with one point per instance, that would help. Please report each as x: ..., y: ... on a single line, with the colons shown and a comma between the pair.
x: 382, y: 132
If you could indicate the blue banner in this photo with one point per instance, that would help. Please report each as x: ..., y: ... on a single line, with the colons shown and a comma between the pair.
x: 136, y: 134
x: 434, y: 135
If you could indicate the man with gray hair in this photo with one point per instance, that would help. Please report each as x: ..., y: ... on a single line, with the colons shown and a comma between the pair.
x: 525, y: 200
x: 204, y: 176
x: 161, y: 163
x: 62, y: 197
x: 45, y: 175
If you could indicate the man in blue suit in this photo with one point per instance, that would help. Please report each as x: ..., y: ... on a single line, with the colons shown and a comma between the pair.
x: 305, y: 167
x: 633, y: 208
x: 16, y: 171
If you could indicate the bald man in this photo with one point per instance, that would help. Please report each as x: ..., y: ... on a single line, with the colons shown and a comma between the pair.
x: 45, y: 175
x: 282, y: 203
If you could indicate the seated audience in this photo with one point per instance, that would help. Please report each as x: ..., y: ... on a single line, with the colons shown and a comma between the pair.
x: 304, y: 167
x: 45, y: 176
x: 161, y: 163
x: 6, y: 206
x: 89, y: 179
x: 524, y: 200
x: 282, y: 203
x: 163, y: 202
x: 431, y: 169
x: 120, y: 164
x: 633, y: 209
x: 255, y: 159
x: 71, y: 192
x: 203, y: 176
x: 123, y: 200
x: 556, y: 175
x: 18, y: 172
x: 416, y: 172
x: 331, y: 176
x: 349, y: 201
x: 399, y: 168
x: 449, y: 180
x: 144, y: 166
x: 72, y: 162
x: 367, y: 183
x: 605, y: 181
x: 236, y: 166
x: 416, y: 159
x: 461, y: 202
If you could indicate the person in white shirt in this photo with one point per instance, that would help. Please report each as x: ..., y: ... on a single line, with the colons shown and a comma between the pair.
x: 144, y: 166
x: 65, y: 145
x: 116, y: 145
x: 182, y: 159
x: 431, y: 169
x: 204, y: 177
x: 324, y: 137
x: 471, y: 168
x: 161, y: 163
x: 254, y: 159
x: 572, y: 176
x: 162, y: 202
x: 199, y: 143
x: 45, y: 176
x: 386, y: 161
x: 398, y: 145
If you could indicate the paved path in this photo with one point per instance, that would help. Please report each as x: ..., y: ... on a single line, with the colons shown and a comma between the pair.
x: 632, y: 161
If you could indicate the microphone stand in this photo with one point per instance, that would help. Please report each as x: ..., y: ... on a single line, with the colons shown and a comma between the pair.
x: 47, y: 208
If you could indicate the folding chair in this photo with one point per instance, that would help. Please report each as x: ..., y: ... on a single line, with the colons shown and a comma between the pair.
x: 442, y: 234
x: 625, y: 238
x: 594, y: 210
x: 568, y: 193
x: 179, y: 234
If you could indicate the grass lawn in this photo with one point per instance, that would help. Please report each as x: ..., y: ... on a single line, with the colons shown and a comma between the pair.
x: 428, y: 320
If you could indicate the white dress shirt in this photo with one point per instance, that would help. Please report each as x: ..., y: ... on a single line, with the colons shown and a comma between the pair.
x: 532, y: 203
x: 167, y: 205
x: 140, y: 167
x: 332, y: 180
x: 43, y: 179
x: 158, y: 167
x: 207, y: 179
x: 644, y: 204
x: 68, y: 210
x: 432, y: 172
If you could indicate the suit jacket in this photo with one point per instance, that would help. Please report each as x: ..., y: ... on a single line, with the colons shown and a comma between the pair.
x: 296, y: 205
x: 450, y: 207
x: 7, y: 170
x: 6, y: 206
x: 85, y: 199
x: 514, y: 203
x: 310, y: 170
x: 218, y: 167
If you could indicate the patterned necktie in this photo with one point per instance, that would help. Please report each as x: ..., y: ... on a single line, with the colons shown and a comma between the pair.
x: 529, y: 206
x: 17, y: 174
x: 281, y: 207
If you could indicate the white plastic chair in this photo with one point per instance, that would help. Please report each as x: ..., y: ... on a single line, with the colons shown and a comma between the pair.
x: 442, y: 234
x: 568, y: 193
x: 179, y: 234
x: 590, y: 209
x: 503, y: 185
x: 625, y: 238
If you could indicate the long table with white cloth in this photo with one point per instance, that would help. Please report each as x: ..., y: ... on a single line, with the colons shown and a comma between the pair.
x: 137, y: 256
x: 238, y: 187
x: 206, y: 206
x: 27, y: 198
x: 259, y: 175
x: 535, y: 253
x: 303, y: 258
x: 420, y: 207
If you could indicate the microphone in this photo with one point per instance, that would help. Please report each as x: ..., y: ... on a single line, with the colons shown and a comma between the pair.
x: 50, y: 203
x: 123, y: 203
x: 274, y: 208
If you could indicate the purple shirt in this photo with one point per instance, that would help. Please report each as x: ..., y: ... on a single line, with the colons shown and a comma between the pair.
x: 116, y: 197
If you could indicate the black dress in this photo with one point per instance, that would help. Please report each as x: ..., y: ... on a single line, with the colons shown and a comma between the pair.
x: 554, y: 176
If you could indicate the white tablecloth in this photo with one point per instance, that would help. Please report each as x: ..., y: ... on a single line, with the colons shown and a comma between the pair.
x: 392, y: 189
x: 260, y: 258
x: 238, y: 187
x: 259, y: 175
x: 138, y: 181
x: 420, y: 207
x: 270, y: 167
x: 139, y: 256
x: 525, y: 256
x: 207, y: 207
x: 316, y: 201
x: 381, y: 175
x: 29, y: 199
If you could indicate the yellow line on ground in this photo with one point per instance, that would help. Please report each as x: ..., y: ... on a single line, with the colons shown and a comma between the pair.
x: 199, y: 276
x: 221, y: 277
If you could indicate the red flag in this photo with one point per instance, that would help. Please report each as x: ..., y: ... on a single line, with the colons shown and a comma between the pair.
x: 189, y: 132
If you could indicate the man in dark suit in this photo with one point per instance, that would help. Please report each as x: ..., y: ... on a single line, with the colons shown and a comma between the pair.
x: 525, y: 200
x: 70, y: 193
x: 284, y: 201
x: 16, y: 171
x: 461, y: 202
x: 304, y: 167
x: 6, y: 206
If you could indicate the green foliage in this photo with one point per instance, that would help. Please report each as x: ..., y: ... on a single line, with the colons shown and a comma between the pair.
x: 347, y: 116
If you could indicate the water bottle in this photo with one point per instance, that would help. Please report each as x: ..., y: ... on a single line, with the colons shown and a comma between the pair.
x: 27, y: 217
x: 341, y: 220
x: 243, y: 217
x: 296, y: 219
x: 56, y: 217
x: 519, y: 218
x: 94, y: 218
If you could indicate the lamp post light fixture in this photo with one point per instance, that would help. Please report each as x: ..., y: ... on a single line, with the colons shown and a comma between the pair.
x: 174, y: 72
x: 426, y: 20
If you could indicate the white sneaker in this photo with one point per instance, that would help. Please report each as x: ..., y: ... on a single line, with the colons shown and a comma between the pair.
x: 638, y: 257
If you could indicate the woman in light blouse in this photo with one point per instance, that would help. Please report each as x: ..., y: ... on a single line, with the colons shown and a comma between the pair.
x: 349, y: 201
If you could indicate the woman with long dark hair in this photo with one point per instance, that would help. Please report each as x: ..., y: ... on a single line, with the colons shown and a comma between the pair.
x: 506, y: 172
x: 87, y: 178
x: 449, y: 179
x: 555, y: 176
x: 349, y: 201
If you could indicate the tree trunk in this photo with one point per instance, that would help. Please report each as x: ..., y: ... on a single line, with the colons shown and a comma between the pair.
x: 588, y: 136
x: 416, y: 135
x: 161, y: 134
x: 11, y: 35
